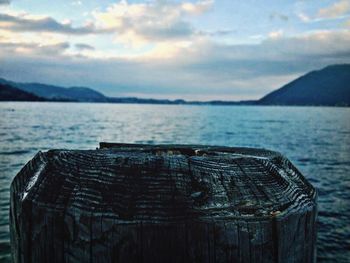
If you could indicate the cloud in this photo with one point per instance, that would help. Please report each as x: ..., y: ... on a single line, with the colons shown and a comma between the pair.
x: 197, y: 8
x: 303, y: 17
x: 35, y: 49
x: 279, y: 16
x: 347, y: 23
x: 27, y: 23
x: 276, y: 34
x: 313, y: 45
x: 337, y: 9
x: 202, y: 70
x: 77, y: 3
x: 4, y: 2
x: 137, y: 24
x: 81, y: 46
x: 220, y: 32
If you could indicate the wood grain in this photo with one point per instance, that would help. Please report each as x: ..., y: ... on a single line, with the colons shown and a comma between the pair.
x: 162, y: 203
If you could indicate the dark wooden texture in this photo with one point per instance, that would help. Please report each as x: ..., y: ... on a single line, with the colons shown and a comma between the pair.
x: 162, y: 203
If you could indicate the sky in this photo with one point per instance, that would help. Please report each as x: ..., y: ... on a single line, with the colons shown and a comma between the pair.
x: 200, y: 50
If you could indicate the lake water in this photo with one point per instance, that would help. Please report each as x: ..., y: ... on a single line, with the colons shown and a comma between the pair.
x: 315, y: 139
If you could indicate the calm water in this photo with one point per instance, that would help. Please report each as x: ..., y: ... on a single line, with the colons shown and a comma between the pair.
x: 316, y: 139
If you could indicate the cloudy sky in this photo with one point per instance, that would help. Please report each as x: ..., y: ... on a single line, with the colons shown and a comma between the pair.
x: 206, y: 49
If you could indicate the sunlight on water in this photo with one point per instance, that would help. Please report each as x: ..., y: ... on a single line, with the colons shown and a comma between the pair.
x: 316, y: 140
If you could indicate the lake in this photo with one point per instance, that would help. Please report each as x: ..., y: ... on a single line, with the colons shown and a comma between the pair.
x: 315, y: 139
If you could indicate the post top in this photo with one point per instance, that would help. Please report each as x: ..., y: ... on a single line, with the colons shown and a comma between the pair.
x: 167, y: 183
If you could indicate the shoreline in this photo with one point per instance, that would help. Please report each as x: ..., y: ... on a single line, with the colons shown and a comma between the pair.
x: 196, y: 103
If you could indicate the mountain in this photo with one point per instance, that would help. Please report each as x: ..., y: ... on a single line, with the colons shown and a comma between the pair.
x: 9, y: 93
x: 57, y: 93
x: 329, y: 86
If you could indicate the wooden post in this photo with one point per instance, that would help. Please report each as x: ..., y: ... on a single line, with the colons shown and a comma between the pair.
x: 162, y: 203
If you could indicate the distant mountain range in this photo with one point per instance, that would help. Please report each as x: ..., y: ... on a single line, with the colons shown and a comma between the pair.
x: 326, y: 87
x: 82, y: 94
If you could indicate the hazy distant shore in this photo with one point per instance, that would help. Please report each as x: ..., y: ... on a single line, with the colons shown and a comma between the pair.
x: 170, y: 102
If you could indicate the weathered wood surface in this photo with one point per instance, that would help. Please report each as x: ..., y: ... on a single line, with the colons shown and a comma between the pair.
x: 142, y: 203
